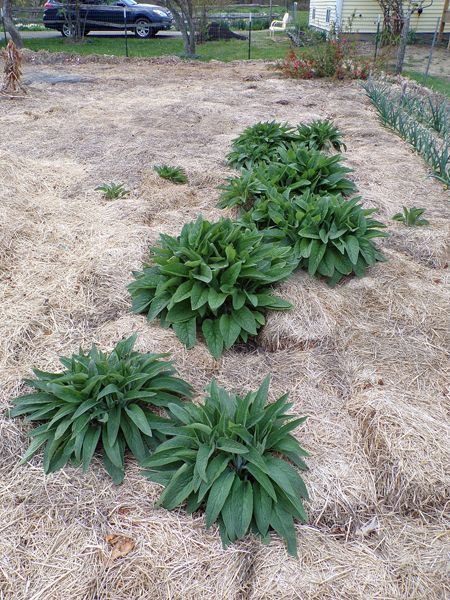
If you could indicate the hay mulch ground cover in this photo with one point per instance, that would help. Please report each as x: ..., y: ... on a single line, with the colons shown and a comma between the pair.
x: 367, y: 360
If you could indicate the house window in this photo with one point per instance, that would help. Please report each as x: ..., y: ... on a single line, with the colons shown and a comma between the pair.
x: 313, y: 14
x: 328, y: 15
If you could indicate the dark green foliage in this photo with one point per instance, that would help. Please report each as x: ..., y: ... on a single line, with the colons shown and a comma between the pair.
x: 227, y: 457
x: 261, y: 143
x: 335, y: 237
x: 113, y: 191
x: 330, y: 236
x: 411, y: 217
x: 100, y: 400
x: 298, y: 169
x: 216, y: 277
x: 173, y: 174
x: 321, y: 135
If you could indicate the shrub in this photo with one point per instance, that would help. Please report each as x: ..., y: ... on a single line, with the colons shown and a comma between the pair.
x: 113, y: 191
x: 173, y: 174
x: 216, y: 276
x: 100, y: 400
x: 411, y: 217
x: 298, y: 169
x: 228, y: 456
x: 335, y: 58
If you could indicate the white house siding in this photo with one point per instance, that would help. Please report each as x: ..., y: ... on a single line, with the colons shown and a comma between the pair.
x: 318, y: 14
x: 366, y: 15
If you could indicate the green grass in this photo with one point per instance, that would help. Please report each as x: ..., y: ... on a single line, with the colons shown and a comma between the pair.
x: 262, y: 47
x: 438, y: 84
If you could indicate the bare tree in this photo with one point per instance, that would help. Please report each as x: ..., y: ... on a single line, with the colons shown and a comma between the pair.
x: 9, y: 24
x: 183, y: 13
x: 393, y: 16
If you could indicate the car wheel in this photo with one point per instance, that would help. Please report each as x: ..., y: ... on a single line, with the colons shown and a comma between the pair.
x: 68, y: 30
x: 143, y: 29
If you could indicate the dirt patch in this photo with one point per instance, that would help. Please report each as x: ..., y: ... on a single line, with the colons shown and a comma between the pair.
x: 367, y: 360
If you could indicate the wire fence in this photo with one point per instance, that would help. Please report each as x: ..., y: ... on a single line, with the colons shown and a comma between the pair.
x: 125, y: 19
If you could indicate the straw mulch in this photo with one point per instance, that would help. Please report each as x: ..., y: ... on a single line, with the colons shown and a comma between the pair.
x: 367, y: 360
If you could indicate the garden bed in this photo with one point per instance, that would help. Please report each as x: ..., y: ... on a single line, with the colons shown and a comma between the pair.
x: 366, y: 360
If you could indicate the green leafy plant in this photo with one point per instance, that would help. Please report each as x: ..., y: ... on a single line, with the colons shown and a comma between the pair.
x: 113, y: 191
x: 411, y: 217
x: 335, y: 237
x: 329, y: 236
x: 260, y: 143
x: 298, y: 169
x: 173, y: 174
x: 228, y: 456
x: 214, y: 276
x: 321, y: 135
x: 100, y: 400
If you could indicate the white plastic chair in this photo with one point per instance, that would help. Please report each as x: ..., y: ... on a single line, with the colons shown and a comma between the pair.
x: 278, y: 25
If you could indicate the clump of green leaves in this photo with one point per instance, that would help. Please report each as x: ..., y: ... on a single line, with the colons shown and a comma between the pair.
x: 321, y: 135
x: 298, y: 169
x: 260, y: 143
x: 334, y: 237
x: 100, y: 400
x: 411, y: 217
x: 113, y: 191
x: 213, y: 276
x: 329, y: 236
x: 173, y: 174
x: 228, y: 456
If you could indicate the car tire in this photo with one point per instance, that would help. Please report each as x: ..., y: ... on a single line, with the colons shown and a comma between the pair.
x: 68, y: 30
x: 143, y: 28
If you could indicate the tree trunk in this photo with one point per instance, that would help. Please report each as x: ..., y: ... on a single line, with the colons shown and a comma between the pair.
x: 182, y: 12
x: 9, y: 24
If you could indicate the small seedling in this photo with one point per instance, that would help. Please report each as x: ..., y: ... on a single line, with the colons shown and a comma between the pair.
x: 173, y: 174
x: 113, y: 191
x: 411, y: 217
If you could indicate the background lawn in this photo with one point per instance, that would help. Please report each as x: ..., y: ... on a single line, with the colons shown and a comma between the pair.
x: 262, y: 47
x: 438, y: 84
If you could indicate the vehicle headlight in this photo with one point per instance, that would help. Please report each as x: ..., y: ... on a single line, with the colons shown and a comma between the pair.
x: 160, y: 13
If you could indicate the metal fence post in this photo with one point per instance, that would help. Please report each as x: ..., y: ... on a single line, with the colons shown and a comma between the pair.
x: 377, y: 38
x: 250, y: 36
x: 433, y: 44
x: 402, y: 47
x: 126, y: 30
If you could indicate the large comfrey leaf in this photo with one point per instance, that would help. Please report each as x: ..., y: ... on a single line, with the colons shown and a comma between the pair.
x: 330, y: 235
x: 297, y: 169
x: 100, y: 400
x: 232, y: 458
x: 215, y: 278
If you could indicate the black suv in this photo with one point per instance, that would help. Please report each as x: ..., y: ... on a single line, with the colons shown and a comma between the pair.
x: 144, y: 19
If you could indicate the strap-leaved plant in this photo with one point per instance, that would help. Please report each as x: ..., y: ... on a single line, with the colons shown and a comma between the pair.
x: 228, y: 457
x: 215, y: 277
x: 100, y: 400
